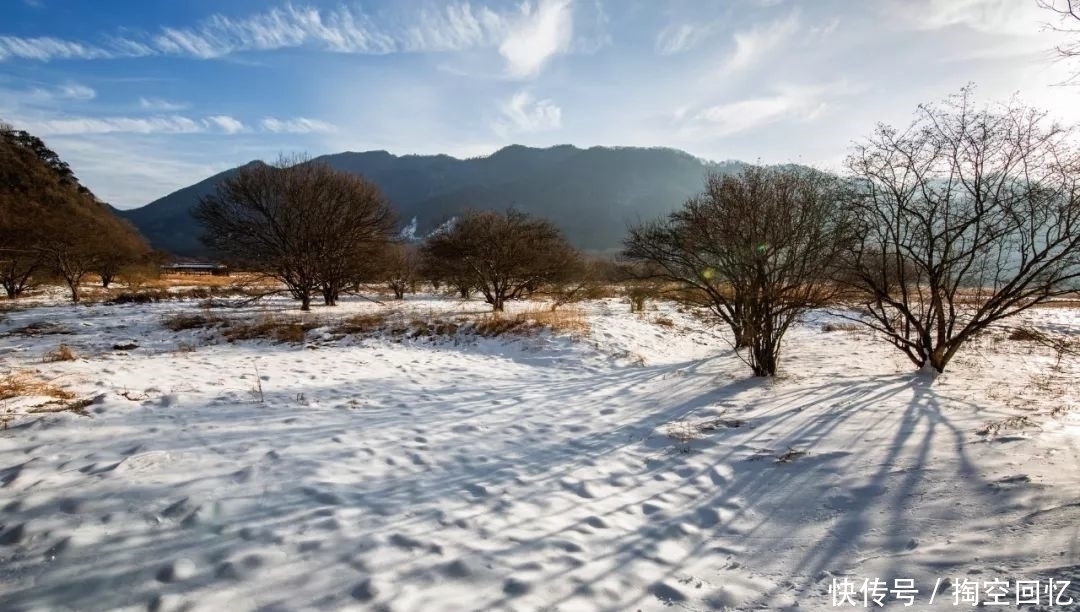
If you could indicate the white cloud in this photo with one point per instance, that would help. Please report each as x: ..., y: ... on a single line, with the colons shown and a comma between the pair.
x: 75, y: 91
x: 526, y: 37
x: 678, y: 38
x: 227, y: 124
x: 524, y: 114
x: 753, y: 44
x: 539, y: 34
x: 172, y: 124
x: 298, y: 125
x: 47, y: 48
x: 162, y: 105
x: 989, y: 16
x: 70, y: 91
x: 788, y: 103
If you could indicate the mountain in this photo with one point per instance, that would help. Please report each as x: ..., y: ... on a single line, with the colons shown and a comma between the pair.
x: 592, y: 194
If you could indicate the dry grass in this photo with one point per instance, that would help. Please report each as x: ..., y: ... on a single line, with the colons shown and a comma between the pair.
x: 1027, y: 334
x: 664, y: 321
x: 41, y: 328
x: 76, y: 406
x: 845, y: 327
x: 569, y: 320
x: 365, y: 323
x: 23, y: 384
x: 183, y: 321
x: 62, y: 353
x: 1014, y: 422
x: 278, y: 329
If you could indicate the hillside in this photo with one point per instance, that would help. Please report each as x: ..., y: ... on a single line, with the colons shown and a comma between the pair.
x: 591, y: 193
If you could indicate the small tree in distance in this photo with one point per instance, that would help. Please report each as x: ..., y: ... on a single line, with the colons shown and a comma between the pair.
x: 968, y: 216
x: 756, y: 248
x: 504, y: 255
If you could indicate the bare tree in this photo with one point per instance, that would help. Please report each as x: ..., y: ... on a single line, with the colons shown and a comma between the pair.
x: 1068, y: 18
x: 968, y: 216
x: 301, y: 222
x: 399, y: 267
x: 503, y: 255
x: 756, y: 248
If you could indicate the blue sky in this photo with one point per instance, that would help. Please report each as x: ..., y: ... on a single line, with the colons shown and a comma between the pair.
x: 143, y: 98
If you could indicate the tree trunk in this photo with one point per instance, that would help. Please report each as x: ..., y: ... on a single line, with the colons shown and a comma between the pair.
x: 74, y: 286
x: 106, y: 280
x: 305, y: 300
x: 329, y: 296
x: 498, y: 304
x: 399, y: 292
x: 464, y: 292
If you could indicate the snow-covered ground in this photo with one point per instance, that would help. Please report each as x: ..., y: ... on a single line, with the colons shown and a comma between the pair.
x: 636, y: 467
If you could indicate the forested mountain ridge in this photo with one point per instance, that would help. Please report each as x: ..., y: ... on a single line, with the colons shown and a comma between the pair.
x: 590, y: 193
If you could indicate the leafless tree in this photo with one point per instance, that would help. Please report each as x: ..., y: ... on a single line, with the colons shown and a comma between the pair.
x: 311, y: 227
x: 968, y: 216
x: 503, y: 255
x: 756, y: 248
x: 399, y: 267
x: 1068, y: 20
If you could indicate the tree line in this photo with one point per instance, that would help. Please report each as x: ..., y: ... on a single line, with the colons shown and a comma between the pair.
x: 51, y: 226
x: 936, y: 231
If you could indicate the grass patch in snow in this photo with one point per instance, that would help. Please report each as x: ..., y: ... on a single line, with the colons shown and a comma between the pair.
x: 22, y: 384
x: 62, y: 353
x: 276, y: 328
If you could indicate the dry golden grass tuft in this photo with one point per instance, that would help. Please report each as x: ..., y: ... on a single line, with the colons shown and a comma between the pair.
x: 269, y: 327
x: 569, y: 320
x: 24, y: 384
x: 664, y: 321
x: 62, y: 353
x: 364, y: 323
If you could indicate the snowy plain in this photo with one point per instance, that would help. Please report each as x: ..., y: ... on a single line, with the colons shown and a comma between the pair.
x: 634, y: 466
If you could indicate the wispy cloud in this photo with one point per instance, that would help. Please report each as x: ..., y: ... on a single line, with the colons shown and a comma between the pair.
x: 161, y: 105
x: 299, y: 125
x: 681, y: 37
x: 46, y: 48
x: 802, y: 103
x: 539, y: 34
x: 752, y: 45
x: 526, y: 37
x: 522, y: 113
x: 225, y: 123
x: 69, y: 91
x: 171, y: 124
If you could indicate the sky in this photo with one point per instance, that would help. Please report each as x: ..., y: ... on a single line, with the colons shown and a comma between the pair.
x: 144, y: 98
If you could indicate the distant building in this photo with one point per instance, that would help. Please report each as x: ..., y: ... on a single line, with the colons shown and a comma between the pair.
x: 197, y: 269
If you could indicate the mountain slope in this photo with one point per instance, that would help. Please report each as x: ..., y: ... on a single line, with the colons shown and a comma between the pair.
x: 590, y: 193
